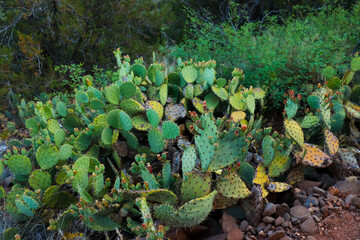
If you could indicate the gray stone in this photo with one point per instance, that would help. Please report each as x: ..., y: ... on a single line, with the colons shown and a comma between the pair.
x: 281, y: 209
x: 267, y: 228
x: 260, y: 227
x: 302, y: 198
x: 300, y: 213
x: 297, y: 191
x: 349, y: 198
x: 331, y: 197
x: 277, y: 235
x: 268, y: 219
x: 316, y: 218
x: 297, y: 203
x: 356, y: 202
x: 348, y: 186
x: 308, y: 226
x: 243, y: 225
x: 310, y: 238
x: 269, y: 209
x: 319, y: 190
x: 287, y: 217
x: 279, y: 221
x: 304, y: 185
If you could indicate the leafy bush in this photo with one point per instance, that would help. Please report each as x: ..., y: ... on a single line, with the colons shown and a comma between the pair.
x: 272, y: 55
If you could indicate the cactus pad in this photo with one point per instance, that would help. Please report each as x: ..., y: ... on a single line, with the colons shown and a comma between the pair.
x: 59, y: 137
x: 81, y: 96
x: 112, y: 94
x: 189, y: 91
x: 209, y: 76
x: 205, y: 149
x: 61, y: 109
x: 237, y: 116
x: 20, y: 165
x: 47, y: 156
x: 332, y: 143
x: 125, y: 121
x: 268, y: 149
x: 83, y: 141
x: 278, y: 187
x: 355, y: 64
x: 140, y: 123
x: 127, y: 89
x: 96, y: 104
x: 153, y: 117
x: 40, y: 180
x: 295, y: 175
x: 188, y: 160
x: 280, y: 164
x: 65, y: 152
x: 314, y: 157
x: 113, y: 118
x: 294, y: 130
x: 212, y: 101
x: 170, y: 130
x: 139, y: 70
x: 246, y: 172
x: 231, y: 186
x: 261, y: 179
x: 54, y: 197
x: 349, y: 159
x: 309, y: 121
x: 291, y: 108
x: 131, y: 139
x: 173, y: 112
x: 189, y: 73
x: 156, y: 140
x: 131, y: 107
x: 237, y: 101
x: 163, y: 93
x: 195, y: 186
x: 220, y: 92
x: 222, y: 202
x: 313, y: 101
x: 32, y: 124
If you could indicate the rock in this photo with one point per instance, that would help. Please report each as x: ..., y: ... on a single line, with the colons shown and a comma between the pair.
x: 309, y: 191
x: 277, y: 235
x: 268, y: 219
x: 356, y: 202
x: 349, y: 198
x: 228, y: 222
x: 311, y: 201
x: 260, y: 227
x: 299, y: 212
x: 262, y: 234
x: 308, y: 226
x: 316, y: 218
x: 285, y: 224
x: 243, y: 225
x: 281, y: 209
x: 302, y: 198
x: 267, y: 228
x: 269, y: 209
x: 297, y: 191
x: 297, y: 203
x: 310, y: 238
x: 279, y: 221
x: 348, y: 186
x: 286, y: 238
x: 235, y: 234
x: 287, y: 217
x: 319, y: 190
x: 221, y: 236
x: 334, y: 191
x: 308, y: 184
x: 331, y: 197
x: 327, y: 181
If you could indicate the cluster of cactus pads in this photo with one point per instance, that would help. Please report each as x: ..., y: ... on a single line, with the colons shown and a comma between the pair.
x: 155, y: 150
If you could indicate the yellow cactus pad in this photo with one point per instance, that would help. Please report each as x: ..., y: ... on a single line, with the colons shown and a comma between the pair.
x: 332, y: 143
x: 314, y: 157
x: 238, y: 116
x: 278, y: 187
x: 294, y: 130
x: 262, y: 179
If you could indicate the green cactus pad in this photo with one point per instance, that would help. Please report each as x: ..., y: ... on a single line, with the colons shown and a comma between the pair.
x: 97, y: 104
x: 220, y: 92
x: 32, y: 124
x: 237, y: 101
x: 107, y: 136
x: 198, y: 104
x: 328, y: 72
x: 160, y: 196
x: 309, y: 121
x: 230, y: 149
x: 355, y: 64
x: 163, y: 94
x: 64, y: 220
x: 190, y: 214
x: 174, y: 78
x: 334, y: 83
x: 221, y: 82
x: 59, y: 137
x: 280, y: 164
x: 131, y: 139
x: 23, y: 208
x: 156, y: 140
x: 250, y: 103
x: 20, y: 165
x: 189, y: 73
x: 112, y: 94
x: 355, y: 95
x: 1, y: 168
x: 81, y: 96
x: 57, y: 198
x: 291, y: 108
x: 188, y: 160
x: 61, y: 109
x: 2, y: 193
x: 348, y: 77
x: 140, y: 123
x: 30, y: 202
x: 170, y: 130
x: 127, y: 89
x: 153, y: 117
x: 131, y: 107
x: 222, y: 202
x: 212, y: 101
x: 197, y: 185
x: 80, y: 181
x: 189, y: 91
x: 294, y: 130
x: 157, y: 107
x: 166, y: 175
x: 296, y: 175
x: 40, y: 180
x: 71, y: 121
x: 209, y: 76
x: 139, y: 70
x: 83, y: 141
x: 268, y: 149
x: 47, y: 156
x: 113, y: 118
x: 65, y: 152
x: 231, y: 186
x: 205, y: 149
x: 125, y: 121
x: 259, y: 93
x: 313, y: 101
x: 337, y: 122
x: 246, y: 172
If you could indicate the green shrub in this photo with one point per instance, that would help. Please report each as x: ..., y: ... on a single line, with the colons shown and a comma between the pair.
x: 277, y: 56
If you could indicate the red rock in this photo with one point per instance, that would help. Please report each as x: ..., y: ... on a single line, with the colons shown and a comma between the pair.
x: 235, y: 234
x: 228, y: 222
x: 308, y: 184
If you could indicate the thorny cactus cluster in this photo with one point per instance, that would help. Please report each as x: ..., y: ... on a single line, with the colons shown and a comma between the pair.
x: 155, y: 150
